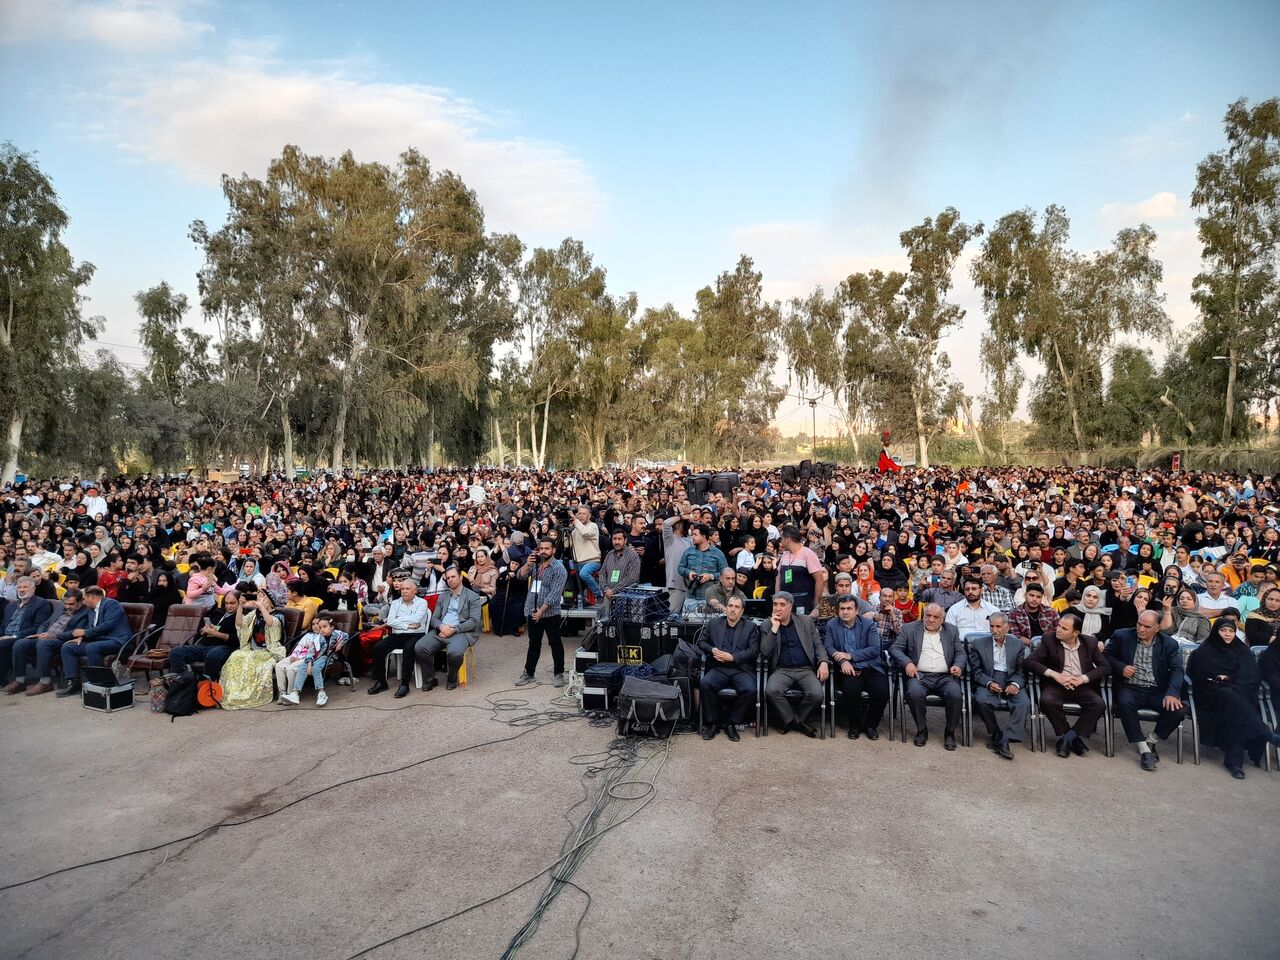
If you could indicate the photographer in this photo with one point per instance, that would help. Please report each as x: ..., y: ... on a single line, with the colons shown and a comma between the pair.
x: 584, y: 538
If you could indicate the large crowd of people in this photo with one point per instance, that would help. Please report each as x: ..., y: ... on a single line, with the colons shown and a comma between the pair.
x: 1152, y: 582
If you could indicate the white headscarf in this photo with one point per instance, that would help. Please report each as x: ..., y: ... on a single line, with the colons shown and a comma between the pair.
x: 1092, y: 616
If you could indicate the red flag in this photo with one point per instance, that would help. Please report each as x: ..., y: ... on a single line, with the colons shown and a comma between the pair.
x: 886, y: 463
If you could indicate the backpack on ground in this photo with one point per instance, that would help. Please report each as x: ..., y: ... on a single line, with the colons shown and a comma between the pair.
x: 180, y: 701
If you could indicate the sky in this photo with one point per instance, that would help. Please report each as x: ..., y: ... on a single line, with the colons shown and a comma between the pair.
x: 669, y: 137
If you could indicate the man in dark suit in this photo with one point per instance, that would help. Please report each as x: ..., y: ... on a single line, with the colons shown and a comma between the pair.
x: 22, y: 617
x: 106, y: 633
x: 793, y: 644
x: 995, y: 663
x: 1070, y: 671
x: 931, y: 655
x: 853, y: 642
x: 731, y: 644
x: 1146, y: 666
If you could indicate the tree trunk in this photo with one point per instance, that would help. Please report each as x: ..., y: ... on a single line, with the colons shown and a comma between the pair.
x: 1069, y: 388
x: 546, y: 419
x: 519, y: 444
x: 16, y: 420
x: 1186, y: 422
x: 431, y: 442
x: 340, y: 427
x: 497, y: 433
x: 533, y: 437
x: 1229, y: 414
x: 922, y: 441
x: 967, y: 405
x: 287, y: 431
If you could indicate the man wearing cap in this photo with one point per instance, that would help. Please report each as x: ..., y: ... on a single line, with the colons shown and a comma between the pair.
x: 94, y: 505
x: 791, y: 643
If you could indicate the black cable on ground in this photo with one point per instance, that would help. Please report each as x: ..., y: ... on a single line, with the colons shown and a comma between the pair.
x: 613, y: 762
x: 529, y: 722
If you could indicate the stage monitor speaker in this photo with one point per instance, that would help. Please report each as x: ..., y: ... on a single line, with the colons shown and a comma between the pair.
x: 725, y: 483
x: 789, y: 473
x: 696, y: 486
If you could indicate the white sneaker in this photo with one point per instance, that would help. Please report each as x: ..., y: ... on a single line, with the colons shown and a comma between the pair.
x: 290, y: 697
x: 321, y: 698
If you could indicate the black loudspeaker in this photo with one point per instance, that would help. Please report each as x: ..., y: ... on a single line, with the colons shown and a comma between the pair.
x: 725, y: 483
x: 788, y: 474
x: 696, y: 486
x: 806, y: 469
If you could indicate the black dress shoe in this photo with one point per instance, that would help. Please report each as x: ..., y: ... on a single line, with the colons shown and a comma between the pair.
x: 1079, y: 747
x: 432, y: 684
x: 1154, y: 752
x: 949, y: 740
x: 402, y: 691
x: 1237, y: 773
x: 70, y: 690
x: 992, y: 740
x: 451, y: 685
x: 783, y: 728
x: 873, y: 733
x: 710, y: 732
x: 854, y: 733
x: 1002, y: 748
x: 804, y: 728
x: 377, y: 687
x: 731, y: 731
x: 1064, y: 746
x: 922, y: 737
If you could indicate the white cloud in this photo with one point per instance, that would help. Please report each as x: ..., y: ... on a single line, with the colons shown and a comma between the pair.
x: 121, y: 24
x: 207, y: 118
x: 1156, y: 208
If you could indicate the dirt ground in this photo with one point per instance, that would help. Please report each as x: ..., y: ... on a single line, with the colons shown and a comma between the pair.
x: 779, y: 846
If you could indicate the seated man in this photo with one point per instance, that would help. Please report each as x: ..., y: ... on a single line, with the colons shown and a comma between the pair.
x: 1070, y: 672
x: 23, y: 617
x: 45, y: 644
x: 215, y: 641
x: 853, y: 643
x: 1033, y: 617
x: 454, y: 624
x: 620, y: 569
x: 973, y: 614
x: 931, y: 655
x: 1146, y: 670
x: 406, y: 618
x: 995, y: 660
x: 793, y: 645
x: 718, y: 594
x: 106, y: 632
x: 731, y: 644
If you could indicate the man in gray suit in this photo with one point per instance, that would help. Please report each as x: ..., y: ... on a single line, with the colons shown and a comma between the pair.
x: 998, y: 678
x: 800, y: 660
x: 454, y: 625
x: 931, y: 655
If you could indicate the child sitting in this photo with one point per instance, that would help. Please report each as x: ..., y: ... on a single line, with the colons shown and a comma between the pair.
x: 310, y: 656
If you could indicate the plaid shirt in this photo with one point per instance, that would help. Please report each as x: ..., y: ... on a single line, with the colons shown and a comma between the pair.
x: 1021, y: 625
x: 998, y: 597
x: 889, y: 622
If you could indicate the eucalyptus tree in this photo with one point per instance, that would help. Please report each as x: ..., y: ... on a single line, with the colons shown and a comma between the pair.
x: 42, y: 326
x: 1066, y: 308
x: 1238, y: 193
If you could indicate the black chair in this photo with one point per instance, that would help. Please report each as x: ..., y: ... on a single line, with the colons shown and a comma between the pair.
x: 1004, y: 706
x: 833, y: 692
x: 762, y: 699
x: 1038, y: 720
x: 729, y: 694
x: 898, y: 693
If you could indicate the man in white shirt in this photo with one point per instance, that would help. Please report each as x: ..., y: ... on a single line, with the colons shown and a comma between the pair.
x: 931, y: 655
x: 973, y: 614
x: 406, y: 618
x: 1215, y: 599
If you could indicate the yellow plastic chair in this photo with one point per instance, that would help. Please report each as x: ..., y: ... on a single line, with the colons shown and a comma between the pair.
x: 183, y: 568
x: 332, y: 571
x: 758, y: 592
